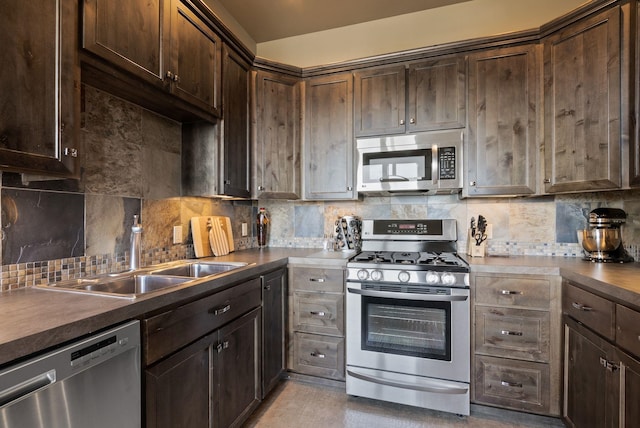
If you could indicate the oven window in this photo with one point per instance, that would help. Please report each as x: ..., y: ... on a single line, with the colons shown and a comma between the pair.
x: 407, y: 327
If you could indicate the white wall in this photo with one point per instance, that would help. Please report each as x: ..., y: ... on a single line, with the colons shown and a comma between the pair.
x: 462, y: 21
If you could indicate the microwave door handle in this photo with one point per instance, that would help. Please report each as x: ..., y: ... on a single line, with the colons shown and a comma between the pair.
x: 435, y: 173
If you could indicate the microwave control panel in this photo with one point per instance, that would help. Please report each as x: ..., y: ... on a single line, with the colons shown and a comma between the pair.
x: 447, y: 160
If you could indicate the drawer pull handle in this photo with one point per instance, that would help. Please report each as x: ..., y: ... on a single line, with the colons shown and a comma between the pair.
x: 318, y: 313
x: 221, y: 310
x: 509, y: 292
x: 511, y: 333
x: 316, y: 279
x: 317, y: 355
x: 267, y: 287
x: 581, y: 307
x: 511, y: 384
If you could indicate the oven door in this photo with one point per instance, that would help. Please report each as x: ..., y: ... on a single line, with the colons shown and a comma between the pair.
x: 412, y: 333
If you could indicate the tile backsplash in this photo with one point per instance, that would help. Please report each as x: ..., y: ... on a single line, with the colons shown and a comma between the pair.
x: 59, y: 229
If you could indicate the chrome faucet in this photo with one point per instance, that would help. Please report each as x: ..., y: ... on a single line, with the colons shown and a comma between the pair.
x: 136, y: 238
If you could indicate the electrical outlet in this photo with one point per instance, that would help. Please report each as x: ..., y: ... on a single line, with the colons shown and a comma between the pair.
x: 489, y: 231
x: 177, y: 234
x: 245, y: 230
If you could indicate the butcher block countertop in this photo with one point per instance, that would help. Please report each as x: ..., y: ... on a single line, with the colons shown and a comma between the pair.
x: 34, y: 319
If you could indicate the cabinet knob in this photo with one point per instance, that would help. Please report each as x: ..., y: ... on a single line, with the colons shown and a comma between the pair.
x: 349, y: 188
x: 227, y: 181
x: 169, y: 75
x: 412, y: 120
x: 401, y: 121
x: 70, y: 151
x: 176, y: 78
x: 261, y: 188
x: 472, y: 183
x: 547, y: 180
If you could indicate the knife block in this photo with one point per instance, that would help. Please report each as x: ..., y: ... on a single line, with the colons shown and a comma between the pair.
x: 474, y: 250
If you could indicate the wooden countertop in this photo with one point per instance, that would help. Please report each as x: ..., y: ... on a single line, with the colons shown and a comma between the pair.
x: 34, y: 319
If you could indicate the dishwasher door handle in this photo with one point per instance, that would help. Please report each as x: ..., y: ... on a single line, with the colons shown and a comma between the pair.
x: 21, y: 390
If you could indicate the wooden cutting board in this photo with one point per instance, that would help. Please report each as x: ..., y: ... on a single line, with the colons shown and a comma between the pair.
x: 218, y: 237
x: 200, y: 234
x: 225, y: 222
x: 212, y: 236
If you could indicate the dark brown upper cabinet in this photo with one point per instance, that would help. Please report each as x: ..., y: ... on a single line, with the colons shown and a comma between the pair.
x: 40, y: 87
x: 634, y: 156
x: 583, y: 98
x: 504, y: 93
x: 424, y: 96
x: 167, y: 44
x: 235, y: 126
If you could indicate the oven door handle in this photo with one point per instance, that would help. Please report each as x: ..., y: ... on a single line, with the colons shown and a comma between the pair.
x: 408, y: 296
x: 414, y: 386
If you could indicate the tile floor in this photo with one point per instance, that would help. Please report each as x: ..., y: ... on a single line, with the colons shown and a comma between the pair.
x: 297, y: 404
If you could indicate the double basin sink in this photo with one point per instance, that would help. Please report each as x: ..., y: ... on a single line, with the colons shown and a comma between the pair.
x: 133, y: 284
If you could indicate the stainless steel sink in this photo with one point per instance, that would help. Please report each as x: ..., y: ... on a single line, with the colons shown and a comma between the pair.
x: 198, y: 269
x: 132, y: 284
x: 128, y: 286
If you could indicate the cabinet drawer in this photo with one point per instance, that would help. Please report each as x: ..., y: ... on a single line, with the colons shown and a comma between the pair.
x: 513, y: 291
x: 593, y: 311
x: 169, y: 331
x: 318, y: 313
x: 318, y: 355
x: 628, y: 329
x: 519, y: 385
x: 313, y: 279
x: 512, y: 333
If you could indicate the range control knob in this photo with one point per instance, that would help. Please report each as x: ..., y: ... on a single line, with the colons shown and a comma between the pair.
x: 432, y: 277
x: 363, y: 274
x: 376, y: 275
x: 448, y: 279
x: 403, y: 276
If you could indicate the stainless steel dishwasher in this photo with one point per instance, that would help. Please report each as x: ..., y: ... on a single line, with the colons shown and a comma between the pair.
x: 94, y: 382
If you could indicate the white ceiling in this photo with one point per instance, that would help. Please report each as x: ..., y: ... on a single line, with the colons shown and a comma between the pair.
x: 267, y: 20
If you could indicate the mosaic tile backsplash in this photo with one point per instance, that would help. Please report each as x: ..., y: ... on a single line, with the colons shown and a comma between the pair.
x: 59, y: 229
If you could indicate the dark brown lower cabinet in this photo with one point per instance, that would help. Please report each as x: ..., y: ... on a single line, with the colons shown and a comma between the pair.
x: 273, y: 333
x: 214, y: 381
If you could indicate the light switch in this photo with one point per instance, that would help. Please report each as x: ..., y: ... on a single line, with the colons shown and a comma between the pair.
x: 245, y: 231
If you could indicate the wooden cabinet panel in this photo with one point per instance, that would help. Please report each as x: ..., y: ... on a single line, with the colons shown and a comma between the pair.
x: 595, y: 312
x: 582, y: 77
x: 634, y: 144
x: 317, y: 279
x: 168, y: 331
x: 277, y: 137
x: 630, y: 397
x: 180, y: 390
x: 329, y: 144
x: 437, y: 95
x: 513, y: 333
x: 319, y: 355
x: 628, y: 329
x: 239, y: 363
x: 513, y: 291
x: 514, y: 384
x: 40, y: 87
x: 130, y: 34
x: 274, y: 293
x: 236, y: 147
x: 379, y: 101
x: 318, y: 313
x: 195, y: 64
x: 504, y: 91
x: 591, y: 391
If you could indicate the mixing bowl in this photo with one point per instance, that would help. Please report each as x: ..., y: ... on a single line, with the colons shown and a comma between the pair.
x: 600, y: 240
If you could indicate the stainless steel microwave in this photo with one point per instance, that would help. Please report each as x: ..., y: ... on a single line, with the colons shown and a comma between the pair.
x: 422, y: 163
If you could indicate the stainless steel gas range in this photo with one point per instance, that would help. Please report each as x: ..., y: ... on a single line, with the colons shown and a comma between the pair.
x: 408, y: 338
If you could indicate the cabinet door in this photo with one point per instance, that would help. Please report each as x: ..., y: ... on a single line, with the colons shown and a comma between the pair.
x: 630, y: 391
x: 329, y: 144
x: 379, y: 96
x: 503, y: 118
x: 582, y: 105
x: 634, y: 145
x: 129, y: 34
x: 277, y: 135
x: 40, y: 87
x: 591, y: 390
x: 437, y: 96
x: 194, y: 65
x: 236, y: 147
x: 180, y: 390
x: 239, y: 364
x: 273, y: 324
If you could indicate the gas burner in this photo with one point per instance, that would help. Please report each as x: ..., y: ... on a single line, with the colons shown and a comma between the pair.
x: 407, y: 258
x: 373, y: 257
